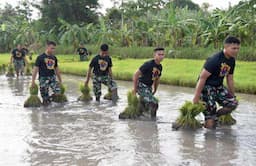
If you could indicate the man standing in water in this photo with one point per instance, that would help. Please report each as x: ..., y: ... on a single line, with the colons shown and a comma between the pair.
x: 210, y: 84
x: 102, y: 73
x: 82, y: 51
x: 147, y: 75
x: 47, y: 66
x: 18, y: 58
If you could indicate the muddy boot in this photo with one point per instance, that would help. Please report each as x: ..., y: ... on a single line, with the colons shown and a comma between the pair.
x: 98, y: 98
x: 114, y: 95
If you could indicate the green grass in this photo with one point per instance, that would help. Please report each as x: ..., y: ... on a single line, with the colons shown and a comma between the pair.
x: 181, y: 72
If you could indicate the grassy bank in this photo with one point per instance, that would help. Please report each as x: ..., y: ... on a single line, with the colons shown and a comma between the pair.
x: 181, y: 72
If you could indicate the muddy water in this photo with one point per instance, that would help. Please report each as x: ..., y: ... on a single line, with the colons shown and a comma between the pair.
x: 91, y: 134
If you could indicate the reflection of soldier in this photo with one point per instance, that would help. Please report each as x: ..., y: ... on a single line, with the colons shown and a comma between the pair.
x: 210, y: 149
x: 147, y: 142
x: 18, y: 59
x: 101, y: 65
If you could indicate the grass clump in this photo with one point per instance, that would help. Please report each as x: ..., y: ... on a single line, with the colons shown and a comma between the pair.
x: 33, y: 100
x: 60, y: 98
x: 226, y: 120
x: 10, y: 71
x: 85, y: 93
x: 132, y: 110
x: 108, y: 96
x: 188, y: 112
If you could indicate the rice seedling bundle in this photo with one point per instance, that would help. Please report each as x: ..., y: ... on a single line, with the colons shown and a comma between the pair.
x: 85, y: 93
x: 60, y: 98
x: 226, y: 120
x: 33, y: 100
x: 10, y: 71
x: 132, y: 110
x: 188, y: 112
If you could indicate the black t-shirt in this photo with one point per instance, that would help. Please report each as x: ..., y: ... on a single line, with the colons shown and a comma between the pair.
x: 101, y: 65
x: 82, y: 51
x: 25, y: 50
x: 150, y: 72
x: 46, y: 64
x: 18, y: 54
x: 219, y: 66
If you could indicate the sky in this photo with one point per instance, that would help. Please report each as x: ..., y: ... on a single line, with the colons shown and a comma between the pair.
x: 222, y: 4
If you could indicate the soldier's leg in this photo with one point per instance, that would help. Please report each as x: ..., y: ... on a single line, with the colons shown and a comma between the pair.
x: 97, y: 87
x: 44, y: 89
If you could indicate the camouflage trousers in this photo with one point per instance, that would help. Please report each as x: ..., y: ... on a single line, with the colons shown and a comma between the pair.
x: 18, y: 65
x: 83, y: 57
x: 210, y: 95
x: 145, y: 92
x: 48, y: 82
x: 106, y: 80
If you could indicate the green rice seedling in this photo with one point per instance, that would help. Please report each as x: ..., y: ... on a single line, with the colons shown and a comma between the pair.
x: 10, y: 72
x: 85, y: 93
x: 132, y: 110
x: 4, y: 67
x: 188, y: 112
x: 226, y: 120
x: 108, y: 96
x: 60, y: 98
x: 33, y: 100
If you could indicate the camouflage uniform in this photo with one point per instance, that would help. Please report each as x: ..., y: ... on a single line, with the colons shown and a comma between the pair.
x: 18, y: 64
x: 45, y: 83
x: 220, y: 94
x: 106, y: 80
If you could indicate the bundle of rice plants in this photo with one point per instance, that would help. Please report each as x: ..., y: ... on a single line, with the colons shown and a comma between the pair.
x: 4, y: 67
x: 28, y: 70
x: 132, y: 110
x: 33, y: 100
x: 85, y: 93
x: 226, y: 120
x: 10, y: 71
x: 108, y: 96
x: 1, y: 69
x: 60, y: 98
x: 188, y: 112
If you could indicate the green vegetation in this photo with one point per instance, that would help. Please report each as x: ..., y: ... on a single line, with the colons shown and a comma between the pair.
x: 132, y: 110
x: 181, y: 72
x: 33, y: 100
x: 85, y: 93
x: 10, y: 71
x: 227, y: 120
x: 188, y: 112
x: 60, y: 98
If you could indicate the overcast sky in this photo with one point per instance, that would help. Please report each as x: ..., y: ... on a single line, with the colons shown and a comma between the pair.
x: 222, y: 4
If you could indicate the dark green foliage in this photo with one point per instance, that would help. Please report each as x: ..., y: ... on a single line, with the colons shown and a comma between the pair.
x: 10, y: 72
x: 33, y: 100
x: 132, y: 110
x: 85, y: 93
x: 188, y: 112
x: 227, y: 120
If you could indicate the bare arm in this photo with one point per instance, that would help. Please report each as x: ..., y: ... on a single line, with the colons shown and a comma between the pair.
x: 110, y: 72
x: 88, y: 76
x: 200, y: 85
x: 135, y: 80
x: 57, y: 71
x: 34, y: 74
x: 155, y: 85
x: 230, y: 83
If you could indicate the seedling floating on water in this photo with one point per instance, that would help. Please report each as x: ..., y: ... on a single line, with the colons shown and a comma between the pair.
x: 60, y: 98
x: 85, y: 93
x: 33, y: 100
x: 188, y: 112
